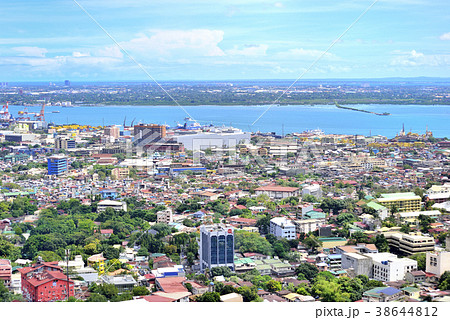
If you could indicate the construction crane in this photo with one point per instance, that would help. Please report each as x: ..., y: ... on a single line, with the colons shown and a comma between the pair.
x: 4, y: 113
x: 40, y: 116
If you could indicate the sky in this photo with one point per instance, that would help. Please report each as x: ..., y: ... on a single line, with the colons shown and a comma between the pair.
x: 55, y: 40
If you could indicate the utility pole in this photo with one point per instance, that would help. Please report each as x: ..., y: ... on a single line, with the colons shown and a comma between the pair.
x: 67, y: 272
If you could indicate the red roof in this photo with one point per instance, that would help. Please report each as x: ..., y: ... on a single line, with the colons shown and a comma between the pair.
x: 172, y: 284
x: 276, y: 188
x: 106, y: 231
x: 156, y: 298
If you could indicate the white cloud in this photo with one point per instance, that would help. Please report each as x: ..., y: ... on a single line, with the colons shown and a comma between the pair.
x: 279, y: 4
x: 31, y: 51
x: 445, y: 36
x: 77, y: 54
x: 197, y: 42
x: 112, y: 52
x: 249, y: 50
x: 306, y: 54
x: 415, y: 59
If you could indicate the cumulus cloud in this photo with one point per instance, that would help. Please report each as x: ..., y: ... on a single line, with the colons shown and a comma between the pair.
x: 250, y: 50
x: 77, y: 54
x: 31, y: 51
x: 198, y: 42
x: 445, y: 36
x: 415, y: 59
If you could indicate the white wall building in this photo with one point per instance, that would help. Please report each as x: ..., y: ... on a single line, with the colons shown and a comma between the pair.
x: 116, y: 205
x: 164, y: 216
x: 282, y: 228
x: 387, y: 267
x: 307, y: 225
x: 438, y: 262
x: 314, y: 190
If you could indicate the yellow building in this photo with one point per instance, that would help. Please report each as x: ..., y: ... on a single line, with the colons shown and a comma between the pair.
x: 97, y: 261
x: 404, y: 202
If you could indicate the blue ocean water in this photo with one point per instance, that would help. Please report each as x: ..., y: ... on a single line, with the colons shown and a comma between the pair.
x: 278, y: 119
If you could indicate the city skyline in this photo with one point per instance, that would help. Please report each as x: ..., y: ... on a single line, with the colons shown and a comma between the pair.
x: 231, y: 40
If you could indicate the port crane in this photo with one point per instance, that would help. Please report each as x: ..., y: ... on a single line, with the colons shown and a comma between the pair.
x: 4, y: 113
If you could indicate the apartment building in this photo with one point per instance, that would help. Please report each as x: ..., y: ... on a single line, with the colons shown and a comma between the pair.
x: 281, y: 227
x: 437, y: 262
x: 403, y: 202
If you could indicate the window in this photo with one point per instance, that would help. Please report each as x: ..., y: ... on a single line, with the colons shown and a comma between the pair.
x: 214, y: 250
x: 222, y: 249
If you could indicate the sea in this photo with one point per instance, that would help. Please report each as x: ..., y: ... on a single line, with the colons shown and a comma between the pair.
x: 279, y: 119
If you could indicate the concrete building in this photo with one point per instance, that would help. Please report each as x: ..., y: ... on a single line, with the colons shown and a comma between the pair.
x: 403, y: 202
x: 45, y: 282
x: 5, y: 271
x: 382, y: 266
x: 64, y: 143
x: 314, y: 190
x: 387, y: 267
x: 359, y: 263
x: 277, y: 192
x: 57, y: 165
x: 164, y: 216
x: 218, y: 138
x: 382, y: 211
x: 281, y: 227
x: 112, y: 131
x: 437, y: 262
x: 120, y: 173
x: 307, y: 225
x: 116, y: 205
x: 123, y: 283
x: 409, y: 243
x: 216, y: 246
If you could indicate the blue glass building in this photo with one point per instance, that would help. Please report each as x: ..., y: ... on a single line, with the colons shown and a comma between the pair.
x: 216, y: 246
x: 56, y: 165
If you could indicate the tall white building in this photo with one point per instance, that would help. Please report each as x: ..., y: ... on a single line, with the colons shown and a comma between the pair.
x: 382, y: 266
x: 314, y: 190
x: 438, y: 262
x: 216, y: 246
x: 282, y: 228
x: 387, y: 267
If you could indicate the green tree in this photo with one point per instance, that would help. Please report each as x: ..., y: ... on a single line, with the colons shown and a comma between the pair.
x: 209, y: 297
x: 221, y: 271
x: 273, y: 286
x: 248, y: 293
x: 252, y: 242
x: 309, y: 271
x: 421, y: 259
x: 424, y: 222
x: 381, y: 243
x: 96, y: 297
x: 108, y: 290
x: 140, y: 291
x: 312, y: 243
x: 444, y: 281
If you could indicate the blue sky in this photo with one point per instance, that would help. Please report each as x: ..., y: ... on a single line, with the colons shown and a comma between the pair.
x: 54, y: 40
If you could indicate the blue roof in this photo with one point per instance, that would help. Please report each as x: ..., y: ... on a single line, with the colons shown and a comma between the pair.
x: 389, y: 291
x: 335, y: 256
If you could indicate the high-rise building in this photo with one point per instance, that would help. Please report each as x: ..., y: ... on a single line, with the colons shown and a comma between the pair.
x: 57, y: 165
x: 67, y: 83
x: 112, y: 131
x: 64, y: 143
x: 216, y: 246
x: 149, y: 132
